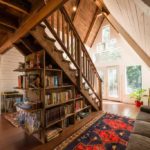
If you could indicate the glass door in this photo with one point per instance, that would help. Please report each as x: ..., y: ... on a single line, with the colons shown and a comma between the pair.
x: 111, y: 82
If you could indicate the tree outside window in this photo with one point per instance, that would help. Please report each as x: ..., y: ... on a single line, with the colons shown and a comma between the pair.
x: 133, y: 78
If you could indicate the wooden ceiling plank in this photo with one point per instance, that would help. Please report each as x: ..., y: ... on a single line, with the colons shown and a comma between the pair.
x: 91, y: 26
x: 77, y: 6
x: 28, y: 47
x: 6, y: 29
x: 96, y: 33
x: 129, y: 39
x: 32, y: 21
x: 14, y: 7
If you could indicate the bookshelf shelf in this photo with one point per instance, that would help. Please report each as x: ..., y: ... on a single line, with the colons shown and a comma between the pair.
x: 69, y: 115
x: 28, y: 70
x: 77, y: 111
x: 78, y: 98
x: 30, y: 110
x: 54, y: 105
x: 18, y: 88
x: 53, y: 123
x: 59, y: 87
x: 54, y: 70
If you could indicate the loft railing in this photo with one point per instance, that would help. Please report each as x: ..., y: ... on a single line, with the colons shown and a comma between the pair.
x: 65, y: 33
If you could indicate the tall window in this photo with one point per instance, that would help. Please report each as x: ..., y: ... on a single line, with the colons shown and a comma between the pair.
x: 133, y: 78
x: 106, y: 34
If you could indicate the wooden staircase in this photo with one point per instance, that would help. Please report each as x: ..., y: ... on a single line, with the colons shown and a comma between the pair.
x: 58, y: 36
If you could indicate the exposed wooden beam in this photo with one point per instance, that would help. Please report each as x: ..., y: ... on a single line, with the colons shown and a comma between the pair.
x: 129, y: 39
x: 10, y: 4
x: 92, y: 24
x: 101, y: 5
x: 77, y: 6
x: 8, y: 20
x: 32, y: 21
x: 97, y: 33
x: 7, y: 29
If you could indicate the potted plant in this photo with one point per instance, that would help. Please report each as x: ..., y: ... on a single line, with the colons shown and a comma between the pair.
x: 137, y: 95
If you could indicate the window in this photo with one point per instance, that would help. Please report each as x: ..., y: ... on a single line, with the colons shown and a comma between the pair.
x: 133, y: 78
x: 106, y: 34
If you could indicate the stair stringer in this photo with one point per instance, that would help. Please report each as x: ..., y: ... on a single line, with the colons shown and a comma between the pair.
x: 39, y: 34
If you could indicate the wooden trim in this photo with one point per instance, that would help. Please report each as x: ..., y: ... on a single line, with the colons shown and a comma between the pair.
x: 129, y: 39
x: 74, y: 14
x: 91, y: 26
x: 17, y: 8
x: 32, y: 21
x: 97, y: 33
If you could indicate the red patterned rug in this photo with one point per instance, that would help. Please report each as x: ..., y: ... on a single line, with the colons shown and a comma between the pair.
x: 109, y: 132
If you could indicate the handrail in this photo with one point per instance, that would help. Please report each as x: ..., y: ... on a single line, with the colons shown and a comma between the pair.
x: 70, y: 22
x: 67, y: 36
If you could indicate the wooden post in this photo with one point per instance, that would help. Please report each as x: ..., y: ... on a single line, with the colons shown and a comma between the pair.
x: 79, y: 64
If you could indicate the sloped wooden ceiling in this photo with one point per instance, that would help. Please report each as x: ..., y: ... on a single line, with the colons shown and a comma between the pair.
x: 13, y: 13
x: 85, y: 19
x: 134, y: 19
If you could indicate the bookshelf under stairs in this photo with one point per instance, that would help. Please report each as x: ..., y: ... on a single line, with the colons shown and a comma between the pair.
x: 59, y: 79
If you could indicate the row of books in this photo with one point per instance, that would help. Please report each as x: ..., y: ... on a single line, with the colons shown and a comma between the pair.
x: 55, y: 114
x: 59, y: 97
x: 79, y: 105
x: 30, y: 81
x: 69, y: 109
x: 53, y: 133
x: 52, y: 81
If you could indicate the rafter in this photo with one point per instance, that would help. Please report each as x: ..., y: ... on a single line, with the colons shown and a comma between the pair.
x: 32, y: 21
x: 77, y: 6
x: 91, y: 26
x: 97, y: 32
x: 7, y: 29
x: 8, y: 20
x: 10, y: 4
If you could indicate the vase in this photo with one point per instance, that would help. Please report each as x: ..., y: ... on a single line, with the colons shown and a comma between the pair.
x: 138, y: 103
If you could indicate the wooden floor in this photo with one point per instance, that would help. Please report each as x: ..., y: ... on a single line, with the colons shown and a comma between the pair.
x: 12, y: 138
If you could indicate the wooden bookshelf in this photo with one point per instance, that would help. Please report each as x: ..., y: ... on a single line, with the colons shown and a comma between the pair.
x: 50, y: 88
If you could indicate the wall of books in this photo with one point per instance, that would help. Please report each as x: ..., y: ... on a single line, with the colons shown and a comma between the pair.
x: 51, y: 102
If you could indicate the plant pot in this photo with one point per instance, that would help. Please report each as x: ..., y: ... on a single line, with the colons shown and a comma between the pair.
x: 138, y: 103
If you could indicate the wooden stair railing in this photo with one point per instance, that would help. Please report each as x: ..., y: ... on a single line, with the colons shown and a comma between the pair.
x: 65, y: 33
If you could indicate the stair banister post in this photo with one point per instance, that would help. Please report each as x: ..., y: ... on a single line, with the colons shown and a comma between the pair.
x: 79, y: 64
x: 100, y: 92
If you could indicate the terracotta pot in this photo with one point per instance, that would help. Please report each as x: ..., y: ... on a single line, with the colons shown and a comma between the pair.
x: 138, y: 103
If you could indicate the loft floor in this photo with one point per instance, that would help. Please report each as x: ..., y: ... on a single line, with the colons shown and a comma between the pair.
x: 15, y: 139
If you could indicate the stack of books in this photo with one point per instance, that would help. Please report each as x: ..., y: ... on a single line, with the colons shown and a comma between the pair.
x: 53, y: 133
x: 55, y: 114
x: 52, y: 81
x: 23, y: 81
x: 57, y: 98
x: 69, y: 109
x: 79, y: 105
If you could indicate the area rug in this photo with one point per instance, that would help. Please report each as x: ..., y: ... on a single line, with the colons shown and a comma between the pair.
x: 109, y: 132
x: 12, y: 118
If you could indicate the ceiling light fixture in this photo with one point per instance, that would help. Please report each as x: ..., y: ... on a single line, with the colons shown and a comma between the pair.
x: 74, y: 8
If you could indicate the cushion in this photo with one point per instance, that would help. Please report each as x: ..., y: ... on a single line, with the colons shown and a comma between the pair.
x: 145, y: 109
x: 143, y: 116
x: 138, y: 142
x: 142, y: 128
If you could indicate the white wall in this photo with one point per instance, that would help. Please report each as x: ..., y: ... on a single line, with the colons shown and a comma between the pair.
x: 128, y: 57
x: 8, y: 62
